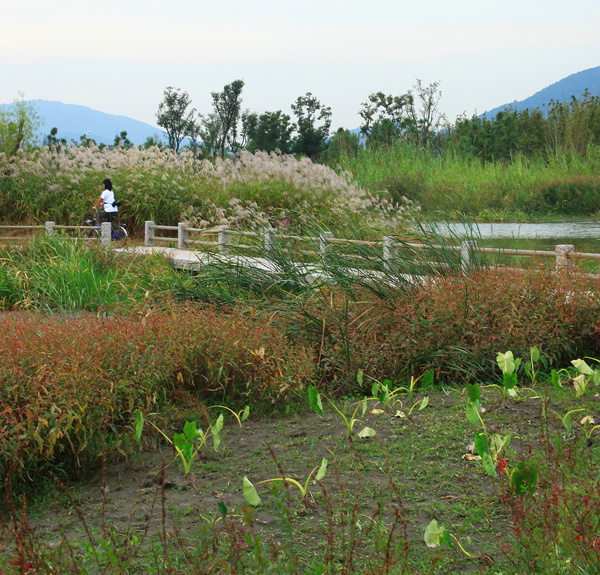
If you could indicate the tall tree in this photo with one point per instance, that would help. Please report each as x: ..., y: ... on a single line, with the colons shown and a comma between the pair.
x: 227, y: 106
x: 312, y: 138
x: 173, y: 116
x: 384, y: 117
x: 123, y: 141
x: 19, y: 126
x: 268, y: 132
x: 423, y: 110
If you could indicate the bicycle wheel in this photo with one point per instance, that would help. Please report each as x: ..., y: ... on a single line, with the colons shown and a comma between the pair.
x: 91, y: 234
x: 119, y: 236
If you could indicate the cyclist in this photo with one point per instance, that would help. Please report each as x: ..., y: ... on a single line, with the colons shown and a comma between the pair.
x: 107, y: 197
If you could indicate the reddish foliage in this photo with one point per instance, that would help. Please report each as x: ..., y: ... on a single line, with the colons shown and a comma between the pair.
x: 69, y: 385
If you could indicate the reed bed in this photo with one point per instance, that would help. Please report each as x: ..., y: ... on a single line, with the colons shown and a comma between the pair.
x: 155, y: 184
x: 563, y: 184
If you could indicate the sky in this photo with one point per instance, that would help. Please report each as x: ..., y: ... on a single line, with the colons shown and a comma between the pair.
x: 118, y: 56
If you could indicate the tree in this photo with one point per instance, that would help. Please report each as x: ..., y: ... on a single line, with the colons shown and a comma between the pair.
x: 123, y: 141
x: 385, y: 117
x: 312, y: 139
x: 426, y: 120
x: 173, y: 116
x: 227, y: 106
x: 344, y: 143
x: 268, y: 132
x: 53, y: 140
x: 152, y: 141
x: 209, y: 132
x: 19, y: 126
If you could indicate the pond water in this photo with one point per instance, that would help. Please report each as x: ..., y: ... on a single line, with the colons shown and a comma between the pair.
x: 583, y: 234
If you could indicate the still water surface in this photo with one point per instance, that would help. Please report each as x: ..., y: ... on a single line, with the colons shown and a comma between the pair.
x: 583, y: 234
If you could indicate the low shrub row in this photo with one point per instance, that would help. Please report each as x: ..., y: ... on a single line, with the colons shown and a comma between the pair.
x: 455, y: 325
x: 70, y: 385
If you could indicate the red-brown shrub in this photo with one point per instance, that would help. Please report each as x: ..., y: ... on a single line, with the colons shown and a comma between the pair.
x: 458, y: 325
x: 69, y: 385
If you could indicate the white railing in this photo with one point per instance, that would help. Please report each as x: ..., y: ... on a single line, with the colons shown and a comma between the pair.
x: 564, y: 255
x: 50, y: 229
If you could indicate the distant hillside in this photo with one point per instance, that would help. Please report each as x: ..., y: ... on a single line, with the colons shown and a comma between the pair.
x: 563, y: 90
x: 73, y: 121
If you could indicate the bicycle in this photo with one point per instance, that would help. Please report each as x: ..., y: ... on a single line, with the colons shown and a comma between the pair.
x: 118, y: 233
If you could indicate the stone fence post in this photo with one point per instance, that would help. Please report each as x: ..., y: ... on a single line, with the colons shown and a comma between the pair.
x: 182, y: 235
x: 468, y: 255
x: 564, y: 261
x: 106, y: 233
x: 149, y: 233
x: 50, y: 228
x: 223, y: 240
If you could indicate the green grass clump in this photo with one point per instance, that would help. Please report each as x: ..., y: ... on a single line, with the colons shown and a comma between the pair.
x: 449, y: 182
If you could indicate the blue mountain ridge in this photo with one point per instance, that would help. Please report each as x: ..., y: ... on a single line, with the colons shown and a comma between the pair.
x: 563, y: 90
x: 73, y: 121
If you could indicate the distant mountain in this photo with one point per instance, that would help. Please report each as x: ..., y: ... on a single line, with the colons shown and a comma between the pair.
x: 563, y: 90
x: 74, y: 121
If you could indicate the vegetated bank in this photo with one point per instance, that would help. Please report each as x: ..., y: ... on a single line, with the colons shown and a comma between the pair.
x: 91, y: 336
x: 132, y: 333
x: 451, y: 182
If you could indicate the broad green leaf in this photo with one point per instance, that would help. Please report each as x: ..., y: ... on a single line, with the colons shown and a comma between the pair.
x: 579, y: 385
x: 222, y: 509
x: 364, y: 407
x: 506, y: 361
x: 322, y: 470
x: 375, y: 389
x: 517, y: 363
x: 509, y: 380
x: 216, y: 430
x: 218, y: 425
x: 250, y: 493
x: 314, y: 399
x: 474, y: 391
x: 528, y: 368
x: 433, y: 534
x: 246, y: 413
x: 535, y: 353
x: 424, y: 403
x: 184, y: 445
x: 481, y: 443
x: 138, y: 426
x: 179, y: 440
x: 189, y: 429
x: 367, y: 432
x: 582, y: 367
x: 513, y: 391
x: 359, y: 377
x: 489, y: 465
x: 216, y: 440
x: 500, y: 442
x: 555, y: 379
x: 427, y: 378
x: 472, y: 414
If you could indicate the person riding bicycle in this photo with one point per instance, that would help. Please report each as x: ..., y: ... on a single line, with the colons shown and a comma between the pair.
x: 107, y: 197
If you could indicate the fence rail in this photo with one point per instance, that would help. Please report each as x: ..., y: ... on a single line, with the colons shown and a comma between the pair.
x: 50, y: 229
x: 564, y: 254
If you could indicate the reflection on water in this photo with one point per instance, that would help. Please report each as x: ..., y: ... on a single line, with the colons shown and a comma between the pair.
x: 583, y: 234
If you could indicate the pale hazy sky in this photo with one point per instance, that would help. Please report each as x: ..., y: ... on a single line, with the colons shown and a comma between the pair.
x: 118, y: 56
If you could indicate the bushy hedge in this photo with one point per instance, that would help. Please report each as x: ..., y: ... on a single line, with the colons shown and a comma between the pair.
x: 70, y: 385
x: 458, y: 325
